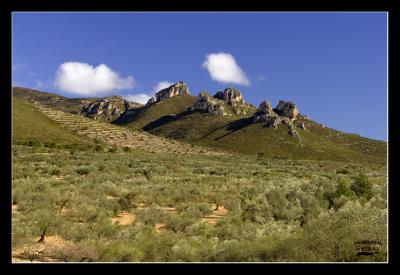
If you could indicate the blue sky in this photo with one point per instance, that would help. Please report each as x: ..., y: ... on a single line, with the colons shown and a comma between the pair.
x: 332, y: 65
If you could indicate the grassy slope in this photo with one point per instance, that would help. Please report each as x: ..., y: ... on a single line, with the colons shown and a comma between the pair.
x: 239, y: 134
x: 157, y: 110
x: 54, y: 101
x: 29, y: 125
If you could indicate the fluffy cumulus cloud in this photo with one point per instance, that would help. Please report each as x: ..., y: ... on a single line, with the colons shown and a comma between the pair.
x: 162, y: 85
x: 84, y: 79
x: 139, y: 98
x: 222, y: 67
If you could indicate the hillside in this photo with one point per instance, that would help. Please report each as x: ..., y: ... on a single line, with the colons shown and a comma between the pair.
x: 237, y: 133
x: 36, y: 124
x: 57, y: 102
x: 150, y: 113
x: 30, y: 126
x: 173, y: 117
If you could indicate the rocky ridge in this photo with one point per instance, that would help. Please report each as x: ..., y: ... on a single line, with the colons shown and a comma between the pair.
x: 284, y: 113
x: 179, y: 88
x: 206, y: 103
x: 215, y: 104
x: 108, y: 108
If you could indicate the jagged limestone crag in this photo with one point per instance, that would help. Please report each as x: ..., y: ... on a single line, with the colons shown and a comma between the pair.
x: 217, y: 104
x: 230, y: 95
x: 179, y: 88
x: 108, y: 108
x: 284, y: 113
x: 265, y: 113
x: 205, y: 103
x: 234, y: 98
x: 287, y: 109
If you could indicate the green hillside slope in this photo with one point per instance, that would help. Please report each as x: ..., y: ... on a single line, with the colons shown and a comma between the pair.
x: 57, y: 102
x: 29, y: 126
x: 147, y: 114
x: 239, y: 134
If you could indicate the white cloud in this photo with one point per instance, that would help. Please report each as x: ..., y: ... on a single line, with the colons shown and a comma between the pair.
x: 222, y: 67
x: 139, y: 98
x: 84, y: 79
x: 162, y: 85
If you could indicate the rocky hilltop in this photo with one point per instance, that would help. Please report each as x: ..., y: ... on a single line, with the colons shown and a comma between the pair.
x: 109, y: 108
x: 215, y: 105
x: 179, y: 88
x: 206, y: 103
x: 284, y: 113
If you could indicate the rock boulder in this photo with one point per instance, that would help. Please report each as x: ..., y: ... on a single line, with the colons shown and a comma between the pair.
x: 108, y: 108
x: 205, y: 103
x: 287, y: 109
x: 176, y: 89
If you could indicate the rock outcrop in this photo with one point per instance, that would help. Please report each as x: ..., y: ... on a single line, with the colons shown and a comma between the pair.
x: 284, y: 113
x: 230, y: 95
x: 234, y: 98
x: 205, y: 103
x: 108, y: 108
x: 150, y: 101
x: 265, y: 113
x: 287, y: 109
x: 179, y: 88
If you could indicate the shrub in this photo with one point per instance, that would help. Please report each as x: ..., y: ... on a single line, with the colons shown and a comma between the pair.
x: 33, y: 143
x: 343, y: 171
x: 98, y: 148
x: 120, y: 252
x: 125, y: 204
x: 83, y: 170
x: 55, y: 172
x: 76, y: 252
x: 361, y: 186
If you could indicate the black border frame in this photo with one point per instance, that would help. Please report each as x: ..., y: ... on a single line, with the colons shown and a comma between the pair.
x: 205, y: 5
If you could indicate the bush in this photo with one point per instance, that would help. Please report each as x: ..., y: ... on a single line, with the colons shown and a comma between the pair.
x: 120, y: 252
x: 84, y: 170
x: 55, y: 172
x: 342, y: 171
x: 98, y: 148
x: 361, y: 186
x: 33, y: 143
x: 125, y: 204
x: 76, y: 252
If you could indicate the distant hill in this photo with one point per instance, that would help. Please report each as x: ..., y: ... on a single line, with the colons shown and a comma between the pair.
x: 225, y: 122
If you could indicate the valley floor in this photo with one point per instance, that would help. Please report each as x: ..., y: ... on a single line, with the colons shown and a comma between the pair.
x: 129, y: 205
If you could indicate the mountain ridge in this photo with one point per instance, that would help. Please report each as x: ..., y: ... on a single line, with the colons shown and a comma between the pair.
x: 281, y: 132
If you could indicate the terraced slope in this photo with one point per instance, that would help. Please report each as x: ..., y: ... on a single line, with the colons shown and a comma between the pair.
x: 71, y: 105
x: 120, y: 136
x: 31, y: 127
